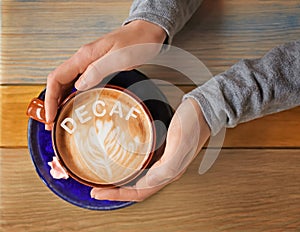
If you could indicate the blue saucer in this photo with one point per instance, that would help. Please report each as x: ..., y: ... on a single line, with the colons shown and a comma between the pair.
x: 41, y: 151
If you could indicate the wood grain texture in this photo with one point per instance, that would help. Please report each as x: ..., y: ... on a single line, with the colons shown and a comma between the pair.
x: 39, y: 35
x: 277, y: 130
x: 13, y: 121
x: 246, y: 190
x: 224, y: 31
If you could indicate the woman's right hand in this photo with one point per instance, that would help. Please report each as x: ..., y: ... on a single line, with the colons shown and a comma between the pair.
x: 111, y: 53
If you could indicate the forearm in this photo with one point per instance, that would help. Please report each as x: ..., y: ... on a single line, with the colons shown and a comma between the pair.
x: 171, y: 15
x: 252, y: 88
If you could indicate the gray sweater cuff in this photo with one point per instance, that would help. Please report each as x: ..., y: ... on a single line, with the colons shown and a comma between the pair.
x: 171, y: 15
x: 211, y: 101
x: 252, y: 88
x: 164, y: 23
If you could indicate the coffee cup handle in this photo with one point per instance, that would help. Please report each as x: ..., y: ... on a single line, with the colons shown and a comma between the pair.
x: 36, y: 110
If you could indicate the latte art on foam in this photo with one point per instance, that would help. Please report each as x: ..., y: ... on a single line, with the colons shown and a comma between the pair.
x: 106, y: 147
x: 105, y: 136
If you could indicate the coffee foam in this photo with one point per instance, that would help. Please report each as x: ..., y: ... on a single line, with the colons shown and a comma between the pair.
x: 109, y: 141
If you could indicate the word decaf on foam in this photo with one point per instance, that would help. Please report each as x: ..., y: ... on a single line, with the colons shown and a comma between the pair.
x: 99, y: 109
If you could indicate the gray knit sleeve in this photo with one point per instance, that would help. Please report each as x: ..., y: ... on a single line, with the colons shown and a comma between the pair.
x: 252, y: 88
x: 171, y: 15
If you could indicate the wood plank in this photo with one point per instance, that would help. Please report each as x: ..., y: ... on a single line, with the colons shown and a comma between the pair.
x: 277, y: 130
x: 219, y: 34
x: 13, y: 124
x: 223, y: 32
x: 39, y: 35
x: 246, y: 190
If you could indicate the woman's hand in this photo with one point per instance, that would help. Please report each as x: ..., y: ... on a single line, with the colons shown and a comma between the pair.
x: 100, y: 58
x: 187, y: 134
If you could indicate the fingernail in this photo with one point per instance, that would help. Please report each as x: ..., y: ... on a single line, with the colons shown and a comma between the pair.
x: 82, y: 85
x: 92, y: 194
x: 49, y: 126
x: 47, y: 116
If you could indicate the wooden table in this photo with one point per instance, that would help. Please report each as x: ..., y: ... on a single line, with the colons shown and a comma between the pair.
x: 253, y: 186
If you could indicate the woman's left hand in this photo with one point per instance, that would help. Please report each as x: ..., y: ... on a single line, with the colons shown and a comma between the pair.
x: 187, y: 134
